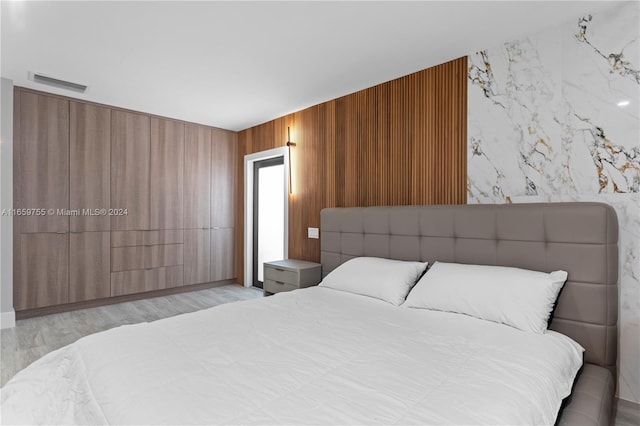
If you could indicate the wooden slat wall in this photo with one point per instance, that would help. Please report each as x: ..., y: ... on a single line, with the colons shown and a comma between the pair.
x: 401, y: 142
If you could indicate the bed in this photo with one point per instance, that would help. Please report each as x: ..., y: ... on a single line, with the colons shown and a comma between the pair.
x: 324, y: 356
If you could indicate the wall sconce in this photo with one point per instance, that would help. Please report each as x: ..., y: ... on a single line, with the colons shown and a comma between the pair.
x: 289, y: 145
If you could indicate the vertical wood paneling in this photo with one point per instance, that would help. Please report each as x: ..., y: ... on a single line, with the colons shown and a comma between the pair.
x: 401, y: 142
x: 327, y: 125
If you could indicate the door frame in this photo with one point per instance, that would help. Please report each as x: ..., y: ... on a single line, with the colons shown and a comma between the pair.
x: 249, y: 159
x: 275, y: 161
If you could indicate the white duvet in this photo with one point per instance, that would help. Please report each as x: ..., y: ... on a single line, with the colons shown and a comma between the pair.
x: 313, y: 356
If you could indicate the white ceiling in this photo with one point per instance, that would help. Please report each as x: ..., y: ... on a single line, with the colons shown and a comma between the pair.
x: 237, y: 64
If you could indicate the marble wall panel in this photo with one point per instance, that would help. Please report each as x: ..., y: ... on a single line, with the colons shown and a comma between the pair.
x: 555, y: 117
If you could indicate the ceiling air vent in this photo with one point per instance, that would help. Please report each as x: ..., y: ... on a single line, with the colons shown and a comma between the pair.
x: 41, y: 78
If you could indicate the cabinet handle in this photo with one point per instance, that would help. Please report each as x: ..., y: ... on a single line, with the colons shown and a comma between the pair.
x: 279, y: 270
x: 279, y: 282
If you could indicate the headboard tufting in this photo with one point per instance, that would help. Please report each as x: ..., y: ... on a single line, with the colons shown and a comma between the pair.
x: 581, y: 238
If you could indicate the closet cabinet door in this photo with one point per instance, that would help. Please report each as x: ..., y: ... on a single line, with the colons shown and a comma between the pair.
x: 167, y: 174
x: 223, y: 197
x: 223, y: 265
x: 89, y: 266
x: 43, y: 165
x: 90, y: 161
x: 197, y: 177
x: 197, y: 256
x: 44, y: 271
x: 130, y: 146
x: 223, y: 178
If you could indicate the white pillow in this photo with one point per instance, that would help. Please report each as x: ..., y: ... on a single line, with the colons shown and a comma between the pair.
x: 385, y: 279
x: 517, y: 297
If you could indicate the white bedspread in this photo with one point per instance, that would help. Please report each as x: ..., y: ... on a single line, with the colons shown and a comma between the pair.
x: 314, y: 356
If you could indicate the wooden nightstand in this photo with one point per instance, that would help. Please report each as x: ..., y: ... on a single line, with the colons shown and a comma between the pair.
x: 290, y: 274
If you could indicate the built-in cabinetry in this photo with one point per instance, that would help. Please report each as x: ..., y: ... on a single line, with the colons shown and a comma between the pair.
x: 89, y: 266
x: 89, y: 187
x: 126, y: 202
x: 166, y: 184
x: 209, y: 191
x: 41, y: 255
x: 146, y: 260
x: 223, y: 183
x: 130, y: 166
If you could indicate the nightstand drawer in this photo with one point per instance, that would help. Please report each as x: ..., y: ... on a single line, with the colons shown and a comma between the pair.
x: 272, y: 286
x: 290, y: 274
x: 279, y: 274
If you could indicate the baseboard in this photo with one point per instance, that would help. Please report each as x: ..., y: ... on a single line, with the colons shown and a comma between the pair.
x: 8, y: 319
x: 37, y: 312
x: 628, y: 403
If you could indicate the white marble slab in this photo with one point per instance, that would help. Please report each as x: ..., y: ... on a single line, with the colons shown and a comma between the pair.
x: 545, y: 124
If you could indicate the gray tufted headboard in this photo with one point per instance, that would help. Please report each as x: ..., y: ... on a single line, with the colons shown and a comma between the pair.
x: 581, y: 238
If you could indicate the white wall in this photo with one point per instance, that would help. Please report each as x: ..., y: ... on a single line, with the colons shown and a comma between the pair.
x: 547, y: 122
x: 7, y: 314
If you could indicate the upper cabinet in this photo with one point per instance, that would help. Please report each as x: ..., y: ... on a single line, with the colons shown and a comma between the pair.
x: 42, y: 173
x: 223, y: 175
x: 90, y: 166
x: 197, y: 177
x: 167, y: 174
x: 130, y: 169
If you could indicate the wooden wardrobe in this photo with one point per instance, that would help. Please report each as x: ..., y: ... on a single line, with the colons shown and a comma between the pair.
x: 120, y: 203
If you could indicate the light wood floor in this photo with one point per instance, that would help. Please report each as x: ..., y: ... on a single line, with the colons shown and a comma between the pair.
x: 32, y: 338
